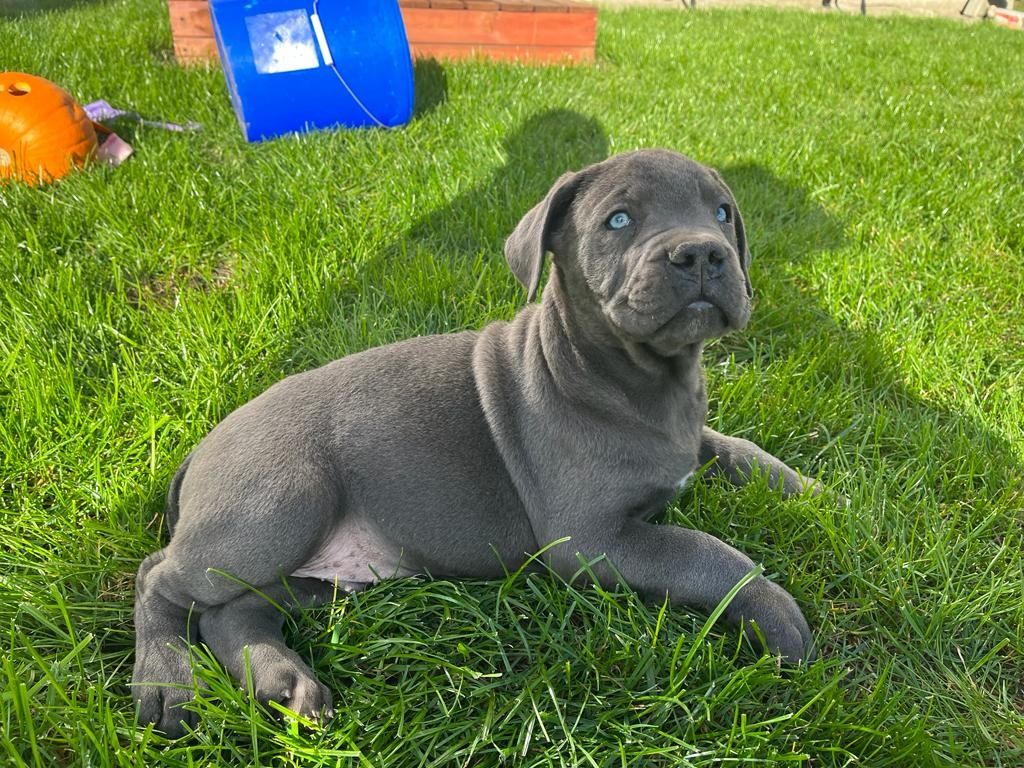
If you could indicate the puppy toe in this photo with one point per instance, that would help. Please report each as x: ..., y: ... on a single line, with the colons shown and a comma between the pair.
x: 149, y: 704
x: 295, y: 689
x: 779, y: 621
x: 311, y: 699
x: 164, y: 707
x: 161, y: 686
x: 789, y: 644
x: 176, y: 720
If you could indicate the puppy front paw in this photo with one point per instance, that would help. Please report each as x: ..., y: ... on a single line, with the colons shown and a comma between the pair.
x: 780, y: 623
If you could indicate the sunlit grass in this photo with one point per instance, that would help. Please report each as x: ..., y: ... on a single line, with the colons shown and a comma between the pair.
x: 878, y: 164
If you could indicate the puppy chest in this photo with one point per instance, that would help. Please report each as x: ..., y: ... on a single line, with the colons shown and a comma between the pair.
x: 669, y: 472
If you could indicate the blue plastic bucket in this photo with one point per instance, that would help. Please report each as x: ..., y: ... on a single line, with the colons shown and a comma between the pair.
x: 298, y: 65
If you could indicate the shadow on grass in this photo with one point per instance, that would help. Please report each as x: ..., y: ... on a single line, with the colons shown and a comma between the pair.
x: 772, y: 204
x: 537, y: 153
x: 940, y: 470
x: 431, y: 86
x: 423, y: 281
x: 938, y: 467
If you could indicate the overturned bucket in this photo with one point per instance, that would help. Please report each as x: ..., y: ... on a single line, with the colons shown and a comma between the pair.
x: 298, y: 65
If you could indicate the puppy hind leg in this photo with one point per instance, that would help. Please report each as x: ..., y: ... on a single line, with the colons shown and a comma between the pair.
x: 174, y: 588
x: 162, y: 677
x: 229, y: 535
x: 247, y: 632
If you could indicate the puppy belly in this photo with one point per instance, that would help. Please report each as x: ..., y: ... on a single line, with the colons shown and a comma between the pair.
x: 353, y: 555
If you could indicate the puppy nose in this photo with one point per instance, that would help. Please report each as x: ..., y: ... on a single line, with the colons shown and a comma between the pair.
x: 707, y: 256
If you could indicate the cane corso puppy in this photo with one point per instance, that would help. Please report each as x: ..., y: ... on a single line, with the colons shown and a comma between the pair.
x: 460, y: 455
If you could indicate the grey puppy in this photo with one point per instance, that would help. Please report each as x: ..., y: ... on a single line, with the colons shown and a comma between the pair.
x: 462, y: 454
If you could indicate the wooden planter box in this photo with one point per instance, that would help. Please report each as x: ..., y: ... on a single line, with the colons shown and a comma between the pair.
x: 546, y: 31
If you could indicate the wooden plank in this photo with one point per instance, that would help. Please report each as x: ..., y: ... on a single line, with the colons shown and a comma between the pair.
x: 481, y: 27
x: 190, y: 18
x: 195, y: 49
x: 549, y: 6
x: 553, y: 54
x: 556, y: 32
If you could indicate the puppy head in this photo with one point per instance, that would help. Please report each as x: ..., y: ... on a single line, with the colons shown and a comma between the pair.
x: 651, y: 238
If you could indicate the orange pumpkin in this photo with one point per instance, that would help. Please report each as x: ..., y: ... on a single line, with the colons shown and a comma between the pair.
x: 43, y: 131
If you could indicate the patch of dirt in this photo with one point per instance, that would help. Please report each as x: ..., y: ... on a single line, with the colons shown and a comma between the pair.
x: 164, y: 291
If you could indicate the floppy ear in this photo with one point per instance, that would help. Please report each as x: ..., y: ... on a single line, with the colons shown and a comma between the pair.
x: 531, y: 239
x: 741, y: 235
x: 741, y: 242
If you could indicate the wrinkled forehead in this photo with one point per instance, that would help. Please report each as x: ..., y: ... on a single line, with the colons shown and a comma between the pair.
x: 651, y: 178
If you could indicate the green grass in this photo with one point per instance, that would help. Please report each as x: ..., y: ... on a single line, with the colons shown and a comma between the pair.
x: 878, y: 163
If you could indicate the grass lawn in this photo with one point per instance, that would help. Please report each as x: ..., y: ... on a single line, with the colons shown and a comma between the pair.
x: 879, y: 166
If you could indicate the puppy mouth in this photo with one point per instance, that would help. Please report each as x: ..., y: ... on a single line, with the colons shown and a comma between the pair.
x: 700, y: 312
x: 703, y: 309
x: 651, y: 313
x: 701, y: 305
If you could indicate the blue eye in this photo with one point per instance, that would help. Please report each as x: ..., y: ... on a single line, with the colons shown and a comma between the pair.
x: 723, y: 214
x: 619, y: 220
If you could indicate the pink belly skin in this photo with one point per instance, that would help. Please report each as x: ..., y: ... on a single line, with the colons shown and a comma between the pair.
x: 354, y: 555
